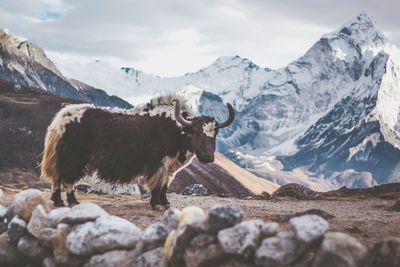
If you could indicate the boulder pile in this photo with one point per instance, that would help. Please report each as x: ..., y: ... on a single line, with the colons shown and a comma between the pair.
x: 33, y: 234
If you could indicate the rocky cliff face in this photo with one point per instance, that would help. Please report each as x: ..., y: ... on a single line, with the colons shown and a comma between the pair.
x: 25, y: 63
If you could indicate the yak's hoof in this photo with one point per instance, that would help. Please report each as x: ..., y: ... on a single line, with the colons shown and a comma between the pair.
x: 59, y: 204
x: 167, y: 205
x: 157, y: 207
x: 73, y: 204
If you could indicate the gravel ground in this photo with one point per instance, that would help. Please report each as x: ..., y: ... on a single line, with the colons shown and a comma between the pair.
x: 367, y: 219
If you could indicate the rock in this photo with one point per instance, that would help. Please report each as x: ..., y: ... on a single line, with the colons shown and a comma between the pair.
x: 296, y: 191
x: 16, y: 229
x: 276, y: 251
x: 385, y: 253
x: 114, y: 258
x: 179, y: 239
x: 320, y: 213
x: 30, y: 247
x: 263, y: 196
x: 154, y: 236
x: 46, y: 236
x: 191, y: 215
x: 49, y: 262
x: 152, y: 258
x: 60, y: 251
x: 396, y: 206
x: 3, y: 219
x: 26, y: 201
x: 83, y: 212
x: 221, y: 217
x: 104, y: 234
x: 204, y: 251
x: 82, y: 188
x: 309, y: 228
x: 340, y: 250
x: 9, y: 255
x: 232, y: 262
x: 195, y: 190
x: 244, y: 238
x: 56, y: 215
x: 38, y: 221
x: 170, y: 218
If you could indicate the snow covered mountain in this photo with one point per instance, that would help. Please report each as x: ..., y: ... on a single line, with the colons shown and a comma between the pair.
x: 25, y: 63
x: 330, y: 118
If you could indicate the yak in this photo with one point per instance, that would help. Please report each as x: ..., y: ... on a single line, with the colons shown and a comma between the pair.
x: 151, y: 142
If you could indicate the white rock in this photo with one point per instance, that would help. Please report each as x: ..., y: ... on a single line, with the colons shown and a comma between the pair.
x: 204, y: 250
x: 115, y: 258
x: 30, y: 247
x: 154, y: 236
x: 3, y: 218
x: 49, y: 262
x: 191, y: 214
x: 16, y: 229
x: 26, y: 201
x: 340, y: 250
x: 104, y: 234
x: 221, y: 217
x: 56, y: 215
x: 83, y: 212
x: 244, y: 238
x: 309, y: 228
x: 38, y: 221
x: 60, y: 251
x: 170, y: 218
x: 152, y: 258
x: 277, y: 251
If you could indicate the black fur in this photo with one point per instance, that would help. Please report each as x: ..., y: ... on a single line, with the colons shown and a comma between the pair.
x: 117, y: 146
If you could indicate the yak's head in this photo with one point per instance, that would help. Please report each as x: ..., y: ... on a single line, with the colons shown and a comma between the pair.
x: 202, y: 131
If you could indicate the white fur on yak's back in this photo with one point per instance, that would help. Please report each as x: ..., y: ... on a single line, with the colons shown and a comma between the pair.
x: 164, y: 106
x: 55, y: 131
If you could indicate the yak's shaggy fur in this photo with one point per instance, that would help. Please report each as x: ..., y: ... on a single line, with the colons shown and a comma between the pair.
x: 123, y: 145
x: 119, y: 145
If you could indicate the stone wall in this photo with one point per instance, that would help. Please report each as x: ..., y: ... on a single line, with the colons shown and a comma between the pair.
x: 33, y: 234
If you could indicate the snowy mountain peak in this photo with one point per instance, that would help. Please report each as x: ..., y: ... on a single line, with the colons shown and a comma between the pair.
x: 360, y: 33
x: 233, y: 61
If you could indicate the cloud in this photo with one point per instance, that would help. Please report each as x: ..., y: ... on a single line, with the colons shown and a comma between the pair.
x: 172, y: 37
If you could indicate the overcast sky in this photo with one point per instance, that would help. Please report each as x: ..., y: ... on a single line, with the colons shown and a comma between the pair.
x: 173, y: 37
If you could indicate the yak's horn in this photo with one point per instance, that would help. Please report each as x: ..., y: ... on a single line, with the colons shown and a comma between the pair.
x: 230, y: 119
x: 178, y: 115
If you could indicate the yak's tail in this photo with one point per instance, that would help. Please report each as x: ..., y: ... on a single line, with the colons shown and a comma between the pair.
x: 48, y: 166
x: 55, y: 132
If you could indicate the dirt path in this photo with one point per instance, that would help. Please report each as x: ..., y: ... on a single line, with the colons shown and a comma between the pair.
x: 368, y: 219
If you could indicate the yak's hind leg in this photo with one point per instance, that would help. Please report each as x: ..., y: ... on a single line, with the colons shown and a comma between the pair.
x: 73, y: 157
x: 157, y: 183
x: 71, y: 199
x: 56, y: 194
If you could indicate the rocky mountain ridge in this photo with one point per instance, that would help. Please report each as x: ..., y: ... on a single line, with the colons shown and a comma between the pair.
x: 25, y: 63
